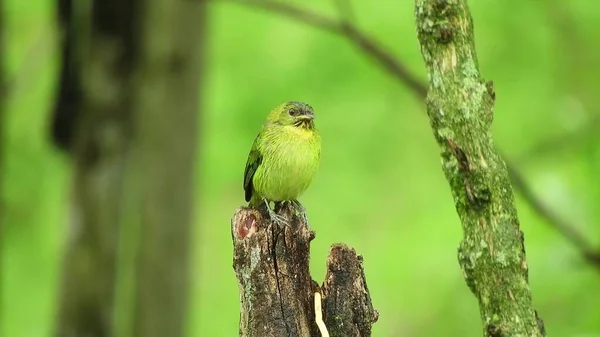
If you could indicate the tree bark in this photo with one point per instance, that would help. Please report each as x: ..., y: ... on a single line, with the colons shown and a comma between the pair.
x: 276, y: 289
x: 347, y: 307
x: 128, y: 115
x: 460, y: 108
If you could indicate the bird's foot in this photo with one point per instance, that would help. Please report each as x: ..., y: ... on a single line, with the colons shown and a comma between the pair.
x: 298, y: 205
x: 302, y: 210
x: 279, y: 219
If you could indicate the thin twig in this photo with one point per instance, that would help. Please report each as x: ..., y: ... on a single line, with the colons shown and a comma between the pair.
x: 364, y: 42
x: 319, y: 316
x: 561, y: 142
x: 368, y: 46
x: 569, y: 231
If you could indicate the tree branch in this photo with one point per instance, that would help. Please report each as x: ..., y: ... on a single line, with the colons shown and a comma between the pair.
x: 569, y: 232
x: 365, y: 43
x: 276, y: 289
x: 460, y: 108
x: 565, y: 141
x: 399, y: 71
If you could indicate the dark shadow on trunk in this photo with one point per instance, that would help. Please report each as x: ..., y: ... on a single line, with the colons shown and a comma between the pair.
x: 127, y: 114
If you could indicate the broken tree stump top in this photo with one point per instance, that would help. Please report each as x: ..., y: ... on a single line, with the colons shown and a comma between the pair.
x: 277, y: 293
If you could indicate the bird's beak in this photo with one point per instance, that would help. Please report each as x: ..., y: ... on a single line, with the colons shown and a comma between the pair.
x: 306, y: 117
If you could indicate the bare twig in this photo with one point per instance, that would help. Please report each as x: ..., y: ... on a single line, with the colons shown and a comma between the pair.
x: 569, y: 231
x: 389, y: 62
x: 564, y: 141
x: 319, y: 315
x: 364, y: 42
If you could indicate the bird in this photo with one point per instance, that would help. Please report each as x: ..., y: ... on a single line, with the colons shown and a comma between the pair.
x: 284, y: 158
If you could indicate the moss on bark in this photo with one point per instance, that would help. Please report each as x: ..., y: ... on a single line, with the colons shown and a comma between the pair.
x: 460, y: 108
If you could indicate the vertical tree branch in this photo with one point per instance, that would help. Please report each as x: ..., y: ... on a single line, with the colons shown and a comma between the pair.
x: 460, y: 108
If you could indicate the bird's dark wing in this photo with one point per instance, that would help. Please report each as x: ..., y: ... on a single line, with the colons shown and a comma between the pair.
x: 254, y: 160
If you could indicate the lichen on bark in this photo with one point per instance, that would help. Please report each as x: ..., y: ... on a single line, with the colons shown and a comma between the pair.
x: 460, y: 108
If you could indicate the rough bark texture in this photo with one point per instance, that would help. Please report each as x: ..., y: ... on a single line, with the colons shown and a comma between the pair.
x: 276, y: 290
x: 347, y: 307
x: 271, y: 264
x: 460, y: 108
x: 128, y: 117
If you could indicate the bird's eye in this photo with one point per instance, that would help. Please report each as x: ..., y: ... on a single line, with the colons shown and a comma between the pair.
x: 292, y: 112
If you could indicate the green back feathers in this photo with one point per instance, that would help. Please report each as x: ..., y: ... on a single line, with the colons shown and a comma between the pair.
x: 254, y: 160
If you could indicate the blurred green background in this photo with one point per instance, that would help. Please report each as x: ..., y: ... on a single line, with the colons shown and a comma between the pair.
x: 380, y: 188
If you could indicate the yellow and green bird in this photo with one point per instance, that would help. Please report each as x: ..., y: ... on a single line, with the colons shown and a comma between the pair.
x: 284, y: 157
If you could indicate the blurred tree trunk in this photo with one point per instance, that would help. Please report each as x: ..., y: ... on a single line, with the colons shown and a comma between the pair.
x: 3, y: 96
x: 127, y: 114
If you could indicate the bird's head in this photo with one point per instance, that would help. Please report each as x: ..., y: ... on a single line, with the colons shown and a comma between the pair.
x: 296, y: 114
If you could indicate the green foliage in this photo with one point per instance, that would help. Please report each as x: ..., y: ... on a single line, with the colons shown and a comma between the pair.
x: 379, y: 187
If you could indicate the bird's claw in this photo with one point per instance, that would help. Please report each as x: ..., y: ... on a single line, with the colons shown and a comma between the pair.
x: 302, y: 210
x: 279, y: 219
x: 298, y: 205
x: 283, y: 221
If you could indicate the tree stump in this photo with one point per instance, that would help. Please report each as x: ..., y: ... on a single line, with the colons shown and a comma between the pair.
x: 277, y: 293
